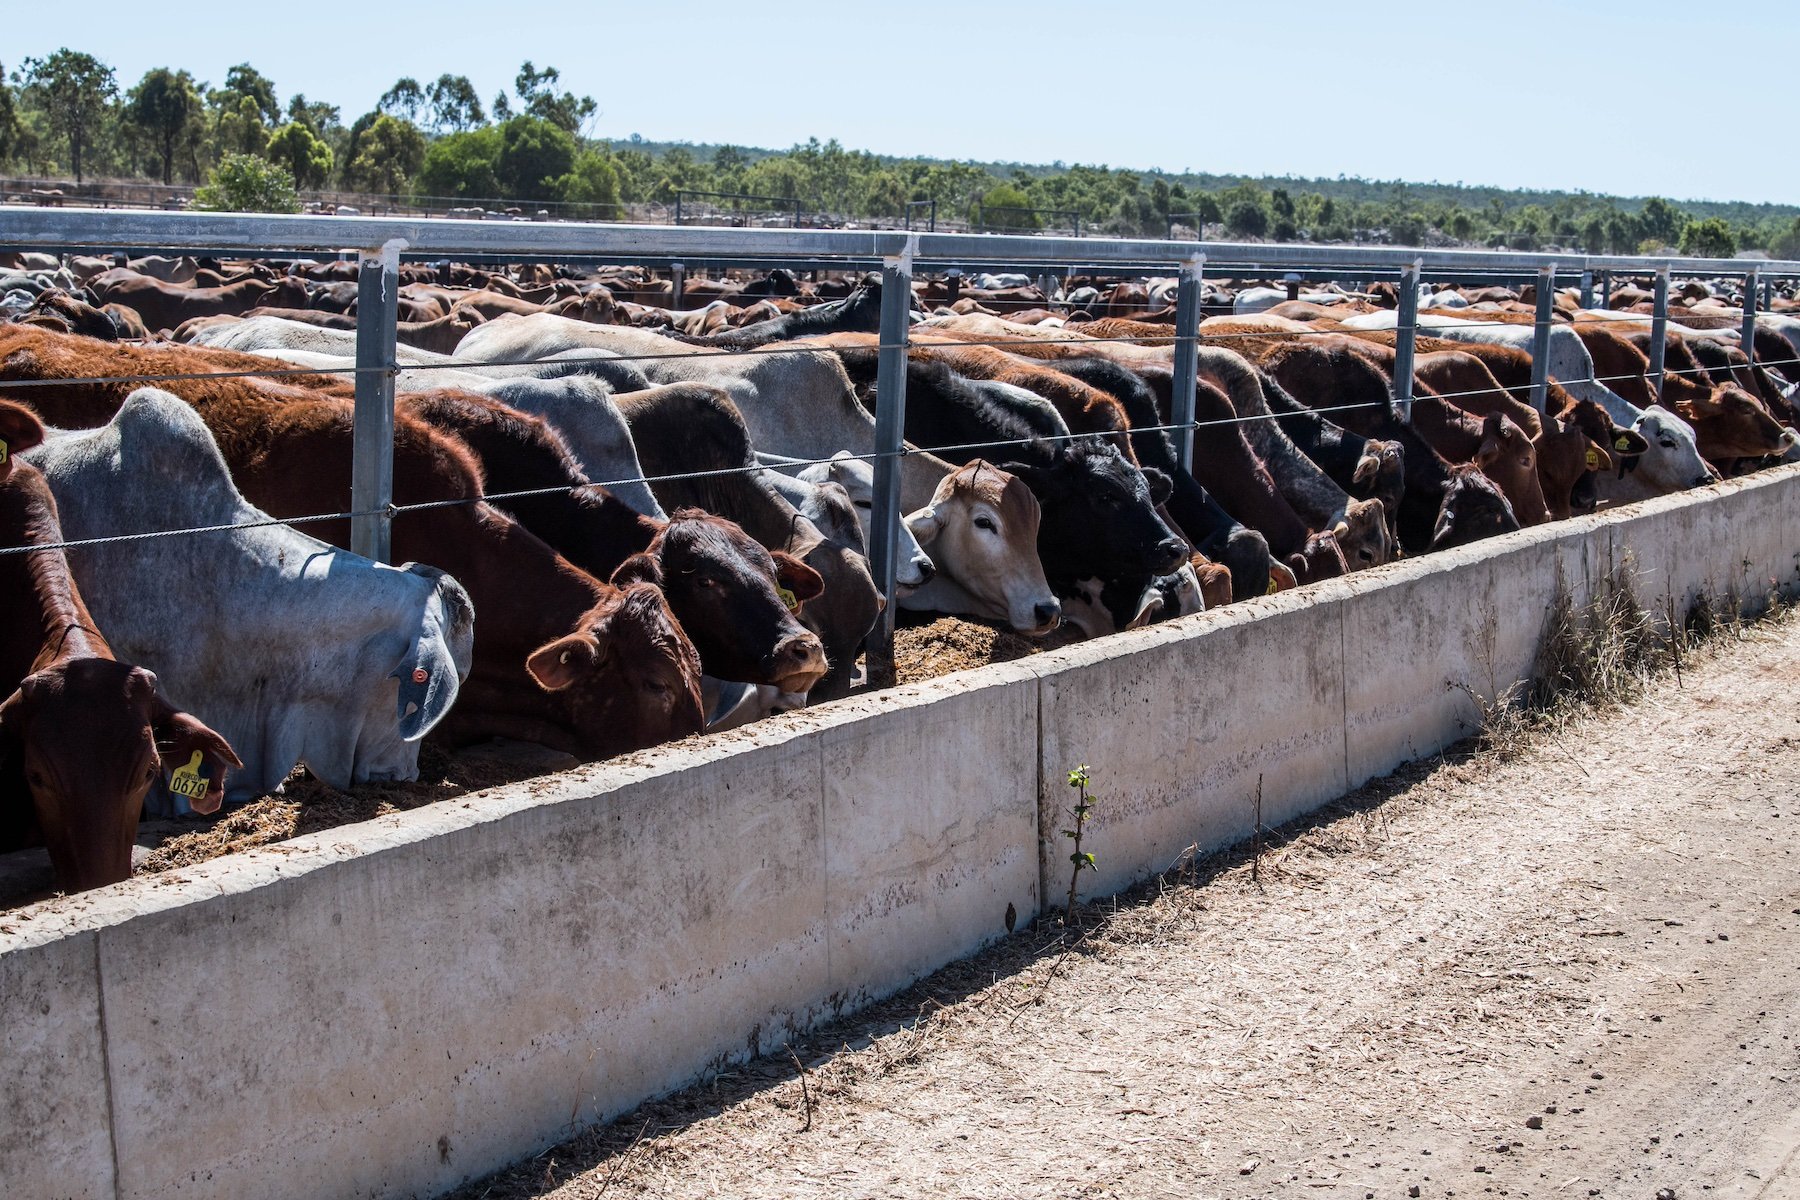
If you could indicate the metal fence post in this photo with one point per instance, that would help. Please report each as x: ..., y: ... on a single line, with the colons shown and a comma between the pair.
x: 1587, y: 289
x: 1769, y: 294
x: 678, y: 282
x: 1659, y: 330
x: 372, y: 457
x: 1540, y: 339
x: 1406, y: 333
x: 890, y: 432
x: 1606, y: 289
x: 1748, y: 345
x: 1187, y: 358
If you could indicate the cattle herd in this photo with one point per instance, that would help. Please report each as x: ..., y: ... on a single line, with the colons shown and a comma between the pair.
x: 629, y: 513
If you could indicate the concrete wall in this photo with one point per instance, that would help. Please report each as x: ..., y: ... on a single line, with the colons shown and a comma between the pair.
x: 392, y: 1008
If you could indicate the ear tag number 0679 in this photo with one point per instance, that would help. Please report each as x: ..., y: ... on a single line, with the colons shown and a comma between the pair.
x: 187, y: 780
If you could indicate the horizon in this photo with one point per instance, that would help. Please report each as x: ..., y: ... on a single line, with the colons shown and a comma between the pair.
x: 1304, y: 74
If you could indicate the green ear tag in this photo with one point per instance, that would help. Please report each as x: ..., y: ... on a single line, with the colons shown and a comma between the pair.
x: 187, y: 781
x: 1621, y: 445
x: 1593, y: 459
x: 787, y: 598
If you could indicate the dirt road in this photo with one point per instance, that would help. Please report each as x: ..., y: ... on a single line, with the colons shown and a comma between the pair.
x: 1571, y: 973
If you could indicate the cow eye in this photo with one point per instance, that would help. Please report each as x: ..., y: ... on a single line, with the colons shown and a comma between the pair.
x: 862, y: 504
x: 1666, y: 443
x: 34, y: 778
x: 707, y: 581
x: 986, y: 523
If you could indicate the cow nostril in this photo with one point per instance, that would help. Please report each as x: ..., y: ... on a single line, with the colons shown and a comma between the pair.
x: 926, y: 570
x: 1046, y: 613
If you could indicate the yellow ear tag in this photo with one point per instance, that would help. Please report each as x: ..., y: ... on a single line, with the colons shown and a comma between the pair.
x: 1621, y: 445
x: 788, y: 598
x: 2, y: 452
x: 1272, y: 588
x: 186, y: 781
x: 1593, y: 459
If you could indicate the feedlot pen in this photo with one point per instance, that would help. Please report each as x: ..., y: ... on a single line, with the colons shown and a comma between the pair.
x: 480, y: 976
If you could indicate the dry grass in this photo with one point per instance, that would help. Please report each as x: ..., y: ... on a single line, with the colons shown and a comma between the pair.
x: 1605, y: 654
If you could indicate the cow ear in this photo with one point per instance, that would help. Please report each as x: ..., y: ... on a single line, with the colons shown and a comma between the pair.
x: 1598, y: 457
x: 639, y: 568
x: 20, y: 430
x: 1368, y: 467
x: 796, y: 577
x: 924, y: 525
x: 1629, y: 442
x: 185, y: 735
x: 1161, y: 486
x: 559, y: 664
x: 12, y: 714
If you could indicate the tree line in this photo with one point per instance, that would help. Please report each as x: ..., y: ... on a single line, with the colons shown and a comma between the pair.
x: 67, y: 114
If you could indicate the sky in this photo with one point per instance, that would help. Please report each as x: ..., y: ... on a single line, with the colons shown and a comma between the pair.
x: 1630, y: 97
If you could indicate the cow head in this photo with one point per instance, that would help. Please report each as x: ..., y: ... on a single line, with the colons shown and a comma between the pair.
x: 91, y: 735
x: 20, y: 430
x: 1381, y: 475
x: 1363, y: 534
x: 628, y: 675
x: 1473, y: 508
x: 1670, y: 462
x: 1100, y: 514
x: 738, y: 601
x: 981, y: 530
x: 1508, y: 458
x: 1730, y: 423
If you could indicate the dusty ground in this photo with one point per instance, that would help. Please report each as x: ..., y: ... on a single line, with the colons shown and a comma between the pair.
x: 1568, y: 972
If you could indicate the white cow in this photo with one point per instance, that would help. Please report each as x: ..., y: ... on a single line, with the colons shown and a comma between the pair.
x: 295, y: 651
x: 581, y: 410
x: 854, y: 478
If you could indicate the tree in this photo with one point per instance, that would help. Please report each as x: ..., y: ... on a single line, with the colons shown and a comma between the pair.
x: 1247, y: 218
x: 307, y: 158
x: 246, y: 183
x: 319, y: 119
x: 403, y: 100
x: 73, y: 89
x: 166, y: 106
x: 463, y: 165
x: 238, y: 123
x: 593, y: 180
x: 388, y: 154
x: 1660, y: 222
x: 11, y: 132
x: 1786, y: 243
x: 536, y: 92
x: 534, y: 154
x: 1007, y: 207
x: 1710, y: 238
x: 246, y: 81
x: 455, y: 105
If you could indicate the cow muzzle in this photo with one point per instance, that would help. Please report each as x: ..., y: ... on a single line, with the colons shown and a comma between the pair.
x: 797, y: 663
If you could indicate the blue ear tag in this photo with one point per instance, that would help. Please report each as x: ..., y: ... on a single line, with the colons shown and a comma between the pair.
x: 187, y: 781
x: 787, y: 598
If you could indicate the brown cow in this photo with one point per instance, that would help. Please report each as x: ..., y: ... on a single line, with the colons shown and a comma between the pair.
x: 166, y: 305
x: 82, y: 735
